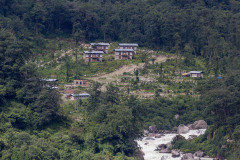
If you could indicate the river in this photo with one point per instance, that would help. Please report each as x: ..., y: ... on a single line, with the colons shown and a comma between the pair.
x: 149, y: 152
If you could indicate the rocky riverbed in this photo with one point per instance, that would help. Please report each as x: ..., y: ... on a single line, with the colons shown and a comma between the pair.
x: 155, y: 145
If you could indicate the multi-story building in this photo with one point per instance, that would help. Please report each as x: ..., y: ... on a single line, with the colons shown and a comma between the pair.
x: 128, y: 46
x: 123, y: 54
x: 93, y: 56
x: 100, y: 47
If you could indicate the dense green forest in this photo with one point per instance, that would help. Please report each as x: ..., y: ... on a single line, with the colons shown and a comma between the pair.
x: 34, y: 123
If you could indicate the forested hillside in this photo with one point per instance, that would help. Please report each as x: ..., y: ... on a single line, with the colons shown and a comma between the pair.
x: 36, y: 124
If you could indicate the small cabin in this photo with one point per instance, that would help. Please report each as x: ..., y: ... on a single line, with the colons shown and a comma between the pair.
x: 132, y: 46
x: 123, y: 54
x: 93, y: 56
x: 100, y: 47
x: 82, y: 83
x: 194, y: 74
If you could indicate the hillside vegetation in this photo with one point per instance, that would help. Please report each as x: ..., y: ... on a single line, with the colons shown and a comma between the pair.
x: 46, y: 38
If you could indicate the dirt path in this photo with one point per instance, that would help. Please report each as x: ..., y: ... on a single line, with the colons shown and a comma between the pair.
x: 113, y: 76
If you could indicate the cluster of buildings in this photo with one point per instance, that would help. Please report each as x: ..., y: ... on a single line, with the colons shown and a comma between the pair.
x: 69, y: 90
x: 125, y: 51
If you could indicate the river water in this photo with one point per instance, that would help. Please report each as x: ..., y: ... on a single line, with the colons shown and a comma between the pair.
x: 149, y: 152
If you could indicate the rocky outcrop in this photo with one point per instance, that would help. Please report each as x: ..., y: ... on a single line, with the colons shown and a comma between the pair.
x: 182, y: 129
x: 200, y: 124
x: 199, y: 154
x: 152, y: 129
x: 187, y: 156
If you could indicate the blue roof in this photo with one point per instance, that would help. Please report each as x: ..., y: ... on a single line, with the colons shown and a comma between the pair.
x: 93, y: 52
x: 100, y: 44
x: 124, y: 50
x: 128, y: 44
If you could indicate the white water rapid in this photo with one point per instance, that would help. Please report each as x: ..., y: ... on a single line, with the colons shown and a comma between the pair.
x: 148, y: 146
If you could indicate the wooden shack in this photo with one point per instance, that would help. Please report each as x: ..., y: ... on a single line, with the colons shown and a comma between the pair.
x: 93, y: 56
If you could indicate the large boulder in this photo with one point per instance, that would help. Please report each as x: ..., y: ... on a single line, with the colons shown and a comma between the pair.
x: 162, y: 146
x: 169, y: 144
x: 151, y: 135
x: 197, y: 158
x: 158, y: 135
x: 164, y: 158
x: 152, y: 129
x: 175, y: 153
x: 165, y: 151
x: 187, y: 156
x: 145, y: 132
x: 199, y: 154
x: 200, y: 124
x: 182, y: 129
x: 149, y: 138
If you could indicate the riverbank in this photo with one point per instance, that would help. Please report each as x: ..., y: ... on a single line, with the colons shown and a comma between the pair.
x: 148, y: 145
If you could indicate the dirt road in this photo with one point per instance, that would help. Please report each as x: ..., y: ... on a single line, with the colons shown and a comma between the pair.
x: 113, y: 76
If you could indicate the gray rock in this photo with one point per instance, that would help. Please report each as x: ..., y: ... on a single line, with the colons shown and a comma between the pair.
x: 158, y: 136
x: 175, y: 153
x: 187, y: 156
x: 165, y: 151
x: 149, y: 138
x: 199, y: 154
x: 197, y: 158
x: 182, y: 129
x: 152, y: 129
x: 162, y: 146
x: 169, y: 144
x: 176, y: 116
x: 200, y: 124
x: 164, y: 158
x: 190, y: 126
x: 151, y: 135
x: 145, y: 132
x: 192, y: 136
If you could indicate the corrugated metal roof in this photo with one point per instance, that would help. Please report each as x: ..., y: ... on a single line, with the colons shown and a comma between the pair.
x: 124, y: 50
x: 128, y: 44
x: 100, y: 44
x: 50, y: 80
x: 82, y: 94
x: 195, y: 72
x: 93, y: 52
